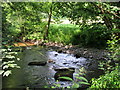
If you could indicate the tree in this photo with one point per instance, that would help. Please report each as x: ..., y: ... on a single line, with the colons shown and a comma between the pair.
x: 21, y: 19
x: 49, y: 12
x: 84, y: 11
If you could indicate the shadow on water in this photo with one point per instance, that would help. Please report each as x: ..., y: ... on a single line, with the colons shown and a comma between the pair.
x: 38, y: 76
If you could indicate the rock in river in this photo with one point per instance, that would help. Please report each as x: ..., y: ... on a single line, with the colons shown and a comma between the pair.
x: 64, y: 69
x: 77, y: 55
x: 60, y: 51
x: 51, y: 61
x: 64, y: 72
x: 41, y: 63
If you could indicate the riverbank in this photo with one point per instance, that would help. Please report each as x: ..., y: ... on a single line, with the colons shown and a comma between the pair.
x: 93, y: 53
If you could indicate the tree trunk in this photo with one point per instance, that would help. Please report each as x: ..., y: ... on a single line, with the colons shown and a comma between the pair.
x: 48, y: 25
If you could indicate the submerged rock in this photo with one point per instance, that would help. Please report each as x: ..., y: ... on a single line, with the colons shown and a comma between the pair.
x: 64, y: 69
x: 42, y: 63
x: 64, y: 72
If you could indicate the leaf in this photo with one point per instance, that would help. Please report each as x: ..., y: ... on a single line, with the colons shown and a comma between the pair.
x: 75, y: 85
x: 76, y: 74
x: 12, y: 65
x: 53, y: 87
x: 84, y: 83
x: 102, y: 68
x: 10, y: 56
x: 68, y: 86
x: 57, y: 85
x: 7, y: 73
x: 18, y: 59
x: 17, y: 66
x: 82, y: 78
x: 6, y: 66
x: 67, y: 78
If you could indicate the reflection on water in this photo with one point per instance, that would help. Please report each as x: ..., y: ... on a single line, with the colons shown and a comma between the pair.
x: 40, y: 76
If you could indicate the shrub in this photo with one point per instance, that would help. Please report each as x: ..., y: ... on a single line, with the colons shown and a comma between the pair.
x: 109, y: 80
x: 92, y: 36
x: 112, y: 78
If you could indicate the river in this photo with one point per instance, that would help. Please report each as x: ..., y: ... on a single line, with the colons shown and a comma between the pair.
x: 39, y: 76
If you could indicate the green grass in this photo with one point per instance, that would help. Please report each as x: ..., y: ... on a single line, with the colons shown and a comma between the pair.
x: 89, y: 35
x: 62, y: 33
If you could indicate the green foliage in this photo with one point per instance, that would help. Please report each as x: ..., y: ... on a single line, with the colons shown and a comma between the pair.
x: 28, y: 20
x: 89, y: 12
x: 80, y: 80
x: 109, y: 80
x: 8, y: 58
x: 107, y: 66
x: 86, y: 14
x: 6, y: 73
x: 92, y: 35
x: 67, y: 78
x: 62, y: 33
x: 95, y: 35
x: 22, y: 21
x: 113, y: 55
x: 114, y: 47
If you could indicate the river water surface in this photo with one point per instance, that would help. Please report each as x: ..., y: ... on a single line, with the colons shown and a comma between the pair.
x: 40, y: 76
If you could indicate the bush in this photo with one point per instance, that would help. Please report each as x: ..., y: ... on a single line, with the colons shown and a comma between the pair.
x: 92, y: 35
x: 109, y: 80
x: 9, y: 58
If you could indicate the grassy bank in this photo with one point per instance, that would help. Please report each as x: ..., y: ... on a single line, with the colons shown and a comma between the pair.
x: 89, y: 35
x: 62, y: 33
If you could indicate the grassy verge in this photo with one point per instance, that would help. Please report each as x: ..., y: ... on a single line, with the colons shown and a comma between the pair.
x: 62, y: 33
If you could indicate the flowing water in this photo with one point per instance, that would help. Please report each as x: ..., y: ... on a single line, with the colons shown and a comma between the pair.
x: 34, y: 76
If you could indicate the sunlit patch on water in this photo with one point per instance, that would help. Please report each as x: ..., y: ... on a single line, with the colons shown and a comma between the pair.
x: 66, y: 60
